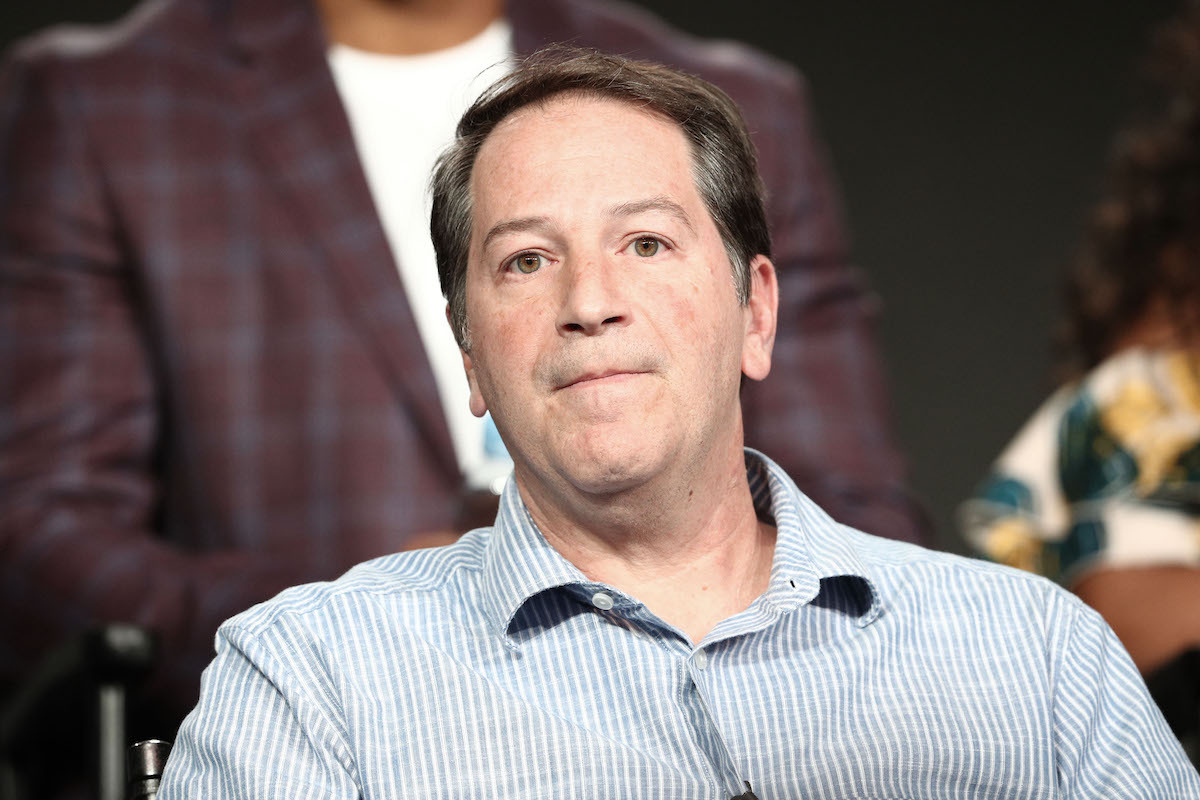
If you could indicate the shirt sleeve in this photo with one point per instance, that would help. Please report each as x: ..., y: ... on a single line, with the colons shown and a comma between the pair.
x: 1110, y: 739
x: 267, y: 727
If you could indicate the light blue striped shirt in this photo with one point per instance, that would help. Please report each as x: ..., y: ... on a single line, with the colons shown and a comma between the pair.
x: 493, y: 668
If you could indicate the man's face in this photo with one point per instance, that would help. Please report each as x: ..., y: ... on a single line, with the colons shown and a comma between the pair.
x: 607, y: 339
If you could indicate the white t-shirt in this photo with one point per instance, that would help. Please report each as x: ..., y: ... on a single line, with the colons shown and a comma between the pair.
x: 403, y: 110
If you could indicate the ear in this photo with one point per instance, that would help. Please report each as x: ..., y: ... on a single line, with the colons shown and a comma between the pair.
x: 478, y: 406
x: 761, y: 312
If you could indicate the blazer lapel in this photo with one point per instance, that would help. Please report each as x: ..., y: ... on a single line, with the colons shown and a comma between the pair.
x: 302, y: 136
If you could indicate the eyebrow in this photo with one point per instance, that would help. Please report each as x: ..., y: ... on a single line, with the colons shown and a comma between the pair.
x: 519, y: 225
x: 661, y: 203
x: 545, y: 224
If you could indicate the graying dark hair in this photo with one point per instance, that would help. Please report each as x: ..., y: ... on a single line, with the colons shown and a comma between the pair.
x: 723, y: 160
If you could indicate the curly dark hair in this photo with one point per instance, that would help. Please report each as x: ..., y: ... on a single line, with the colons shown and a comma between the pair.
x: 1142, y: 243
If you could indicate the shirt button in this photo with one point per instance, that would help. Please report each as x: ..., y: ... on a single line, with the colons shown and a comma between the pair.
x: 602, y: 601
x: 700, y: 659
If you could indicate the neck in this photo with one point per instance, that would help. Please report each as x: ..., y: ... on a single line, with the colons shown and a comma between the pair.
x: 693, y: 550
x: 406, y: 27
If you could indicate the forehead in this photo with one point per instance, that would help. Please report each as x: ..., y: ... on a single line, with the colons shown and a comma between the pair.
x: 578, y: 145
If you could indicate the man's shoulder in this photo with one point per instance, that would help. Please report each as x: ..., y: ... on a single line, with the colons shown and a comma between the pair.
x: 403, y: 581
x: 914, y: 576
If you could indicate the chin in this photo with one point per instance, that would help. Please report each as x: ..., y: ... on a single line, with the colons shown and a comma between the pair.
x: 605, y: 465
x: 607, y: 479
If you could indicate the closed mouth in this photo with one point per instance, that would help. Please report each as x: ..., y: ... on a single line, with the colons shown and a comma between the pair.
x: 611, y: 375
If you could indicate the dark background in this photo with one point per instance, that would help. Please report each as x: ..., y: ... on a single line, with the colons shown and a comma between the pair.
x: 969, y: 139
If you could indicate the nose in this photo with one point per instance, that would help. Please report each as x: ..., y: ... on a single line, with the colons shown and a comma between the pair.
x: 593, y: 299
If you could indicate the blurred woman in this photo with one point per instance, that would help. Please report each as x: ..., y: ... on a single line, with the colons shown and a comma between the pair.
x: 1101, y: 488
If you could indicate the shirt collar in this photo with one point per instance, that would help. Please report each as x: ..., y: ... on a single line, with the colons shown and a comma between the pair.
x: 518, y: 562
x: 810, y: 549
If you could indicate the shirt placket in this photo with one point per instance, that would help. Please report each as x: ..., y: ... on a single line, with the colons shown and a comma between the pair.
x: 697, y: 669
x: 703, y: 670
x: 694, y: 666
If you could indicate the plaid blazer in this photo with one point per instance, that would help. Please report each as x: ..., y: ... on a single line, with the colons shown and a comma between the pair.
x: 211, y: 385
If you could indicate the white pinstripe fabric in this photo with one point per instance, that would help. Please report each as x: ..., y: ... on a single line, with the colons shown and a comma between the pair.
x: 869, y: 669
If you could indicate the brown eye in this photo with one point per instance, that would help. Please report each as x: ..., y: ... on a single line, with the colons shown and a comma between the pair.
x: 527, y: 263
x: 646, y: 247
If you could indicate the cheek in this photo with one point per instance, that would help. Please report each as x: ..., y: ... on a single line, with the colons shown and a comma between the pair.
x: 696, y: 303
x: 683, y: 312
x: 673, y: 302
x: 506, y: 348
x: 696, y: 318
x: 520, y: 329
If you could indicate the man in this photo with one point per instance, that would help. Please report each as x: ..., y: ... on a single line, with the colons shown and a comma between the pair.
x: 657, y: 612
x: 217, y: 378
